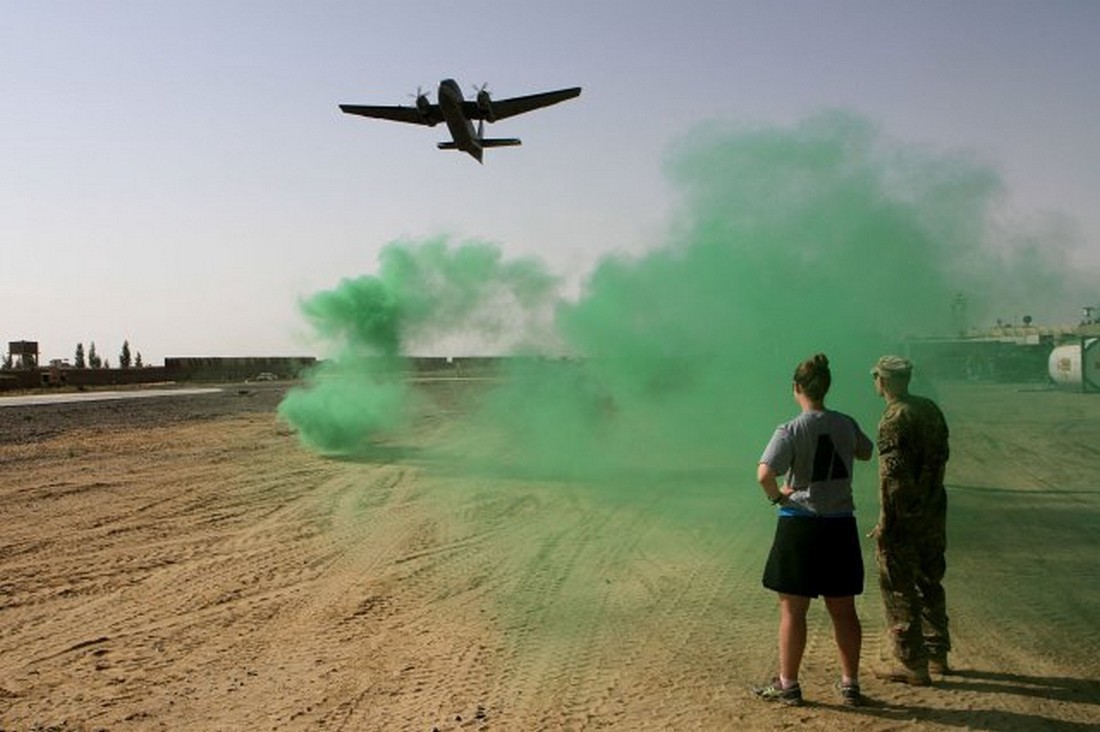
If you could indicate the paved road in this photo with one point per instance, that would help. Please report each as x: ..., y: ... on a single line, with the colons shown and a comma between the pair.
x: 97, y: 396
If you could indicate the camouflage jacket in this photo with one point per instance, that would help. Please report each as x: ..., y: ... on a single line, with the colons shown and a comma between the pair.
x: 913, y: 452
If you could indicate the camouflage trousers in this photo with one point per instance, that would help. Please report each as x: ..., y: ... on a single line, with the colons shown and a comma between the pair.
x: 911, y: 571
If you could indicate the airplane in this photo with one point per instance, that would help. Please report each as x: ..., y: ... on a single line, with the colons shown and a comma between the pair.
x: 459, y: 113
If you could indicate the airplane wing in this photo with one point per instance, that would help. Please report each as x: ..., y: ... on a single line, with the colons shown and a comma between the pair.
x: 502, y: 108
x: 412, y: 115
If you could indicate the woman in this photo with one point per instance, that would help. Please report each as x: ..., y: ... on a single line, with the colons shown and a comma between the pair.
x: 816, y: 548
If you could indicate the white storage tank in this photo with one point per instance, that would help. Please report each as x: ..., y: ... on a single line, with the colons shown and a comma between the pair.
x: 1069, y: 363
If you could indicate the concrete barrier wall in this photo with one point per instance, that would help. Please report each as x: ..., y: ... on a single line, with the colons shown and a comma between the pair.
x: 58, y: 377
x: 214, y: 369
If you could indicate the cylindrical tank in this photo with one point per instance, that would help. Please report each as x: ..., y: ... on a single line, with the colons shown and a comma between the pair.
x: 1069, y: 363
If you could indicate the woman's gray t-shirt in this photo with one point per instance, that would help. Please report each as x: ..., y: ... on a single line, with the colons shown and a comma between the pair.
x: 815, y: 452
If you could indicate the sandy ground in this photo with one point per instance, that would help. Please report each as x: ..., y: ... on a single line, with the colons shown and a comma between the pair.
x: 183, y: 564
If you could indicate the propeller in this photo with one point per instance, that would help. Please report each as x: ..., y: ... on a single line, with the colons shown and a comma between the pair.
x: 484, y: 101
x: 423, y: 106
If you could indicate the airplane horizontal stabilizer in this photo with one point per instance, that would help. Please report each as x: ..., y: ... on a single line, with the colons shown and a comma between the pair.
x: 491, y: 142
x: 500, y: 142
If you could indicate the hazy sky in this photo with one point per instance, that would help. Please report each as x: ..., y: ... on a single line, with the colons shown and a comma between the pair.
x: 179, y: 175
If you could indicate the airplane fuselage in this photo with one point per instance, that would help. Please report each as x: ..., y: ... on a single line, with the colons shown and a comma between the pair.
x: 461, y: 128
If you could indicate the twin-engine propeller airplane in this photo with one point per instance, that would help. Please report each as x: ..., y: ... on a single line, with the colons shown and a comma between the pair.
x: 459, y: 113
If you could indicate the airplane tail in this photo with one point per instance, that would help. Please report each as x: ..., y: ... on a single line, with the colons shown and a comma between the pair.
x: 474, y: 152
x: 479, y: 148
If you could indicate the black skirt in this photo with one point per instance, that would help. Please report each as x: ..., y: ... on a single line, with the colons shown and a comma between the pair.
x: 814, y: 556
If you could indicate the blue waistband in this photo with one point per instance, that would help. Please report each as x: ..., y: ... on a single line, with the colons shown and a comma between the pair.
x: 793, y: 511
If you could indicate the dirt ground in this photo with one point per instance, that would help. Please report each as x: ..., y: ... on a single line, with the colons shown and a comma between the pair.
x: 184, y: 564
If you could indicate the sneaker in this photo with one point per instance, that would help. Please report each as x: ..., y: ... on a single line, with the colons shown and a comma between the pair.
x: 904, y: 675
x: 849, y: 694
x: 774, y: 692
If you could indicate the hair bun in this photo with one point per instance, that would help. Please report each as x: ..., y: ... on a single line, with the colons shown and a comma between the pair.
x: 820, y: 359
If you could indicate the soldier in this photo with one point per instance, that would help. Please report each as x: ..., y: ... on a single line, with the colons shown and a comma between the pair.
x: 911, y: 531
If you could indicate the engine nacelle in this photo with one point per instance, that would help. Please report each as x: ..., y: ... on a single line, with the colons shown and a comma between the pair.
x: 423, y: 106
x: 485, y: 105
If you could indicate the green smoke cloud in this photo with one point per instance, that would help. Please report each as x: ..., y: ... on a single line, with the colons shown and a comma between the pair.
x: 423, y: 291
x: 789, y: 242
x: 346, y: 402
x: 821, y: 237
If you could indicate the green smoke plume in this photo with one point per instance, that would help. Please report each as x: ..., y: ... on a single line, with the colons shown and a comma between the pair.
x: 423, y: 291
x: 822, y: 237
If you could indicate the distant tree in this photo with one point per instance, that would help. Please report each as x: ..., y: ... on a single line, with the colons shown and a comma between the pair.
x: 106, y: 364
x: 7, y: 365
x: 124, y: 357
x: 78, y: 358
x: 93, y: 357
x: 137, y: 361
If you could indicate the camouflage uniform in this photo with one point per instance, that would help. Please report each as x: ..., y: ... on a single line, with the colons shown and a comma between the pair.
x: 912, y: 532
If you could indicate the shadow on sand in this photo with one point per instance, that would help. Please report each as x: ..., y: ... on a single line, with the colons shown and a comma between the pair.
x: 1054, y: 688
x: 1057, y: 688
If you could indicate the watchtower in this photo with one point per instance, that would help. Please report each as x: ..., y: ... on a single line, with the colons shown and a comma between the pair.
x: 26, y: 352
